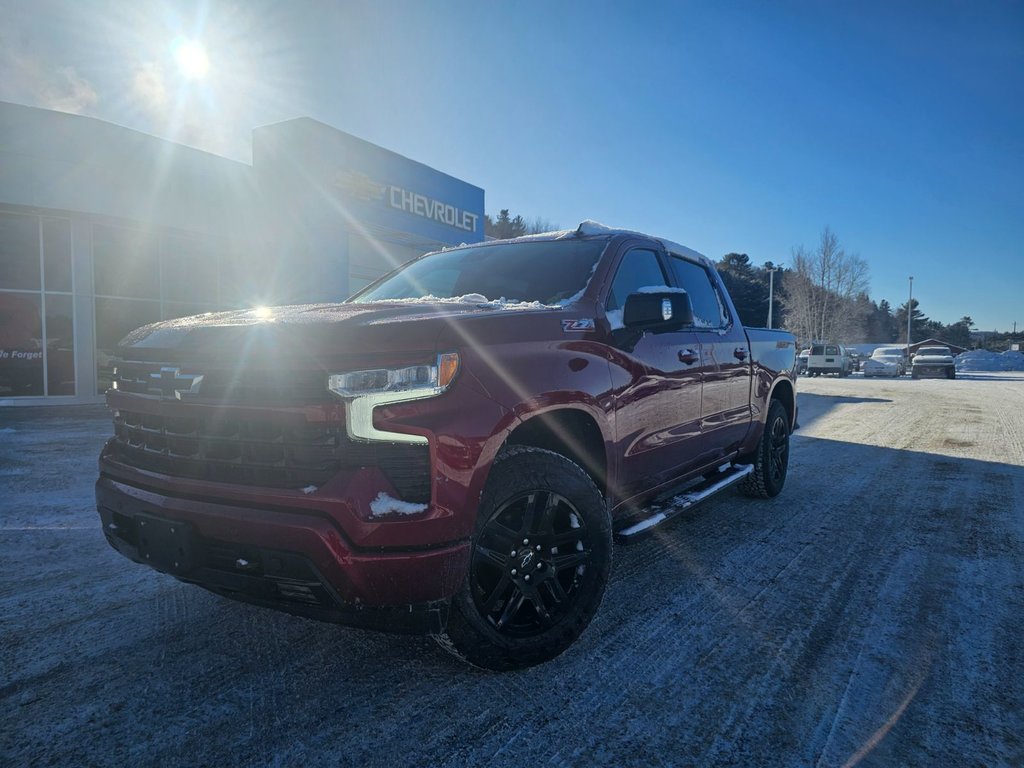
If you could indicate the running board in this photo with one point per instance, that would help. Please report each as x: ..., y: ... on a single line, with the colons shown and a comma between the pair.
x: 676, y: 504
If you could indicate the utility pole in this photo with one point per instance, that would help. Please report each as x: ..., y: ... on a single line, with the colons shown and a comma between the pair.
x: 910, y: 313
x: 772, y: 269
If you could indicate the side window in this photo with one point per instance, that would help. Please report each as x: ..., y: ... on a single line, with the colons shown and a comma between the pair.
x: 708, y: 309
x: 639, y: 268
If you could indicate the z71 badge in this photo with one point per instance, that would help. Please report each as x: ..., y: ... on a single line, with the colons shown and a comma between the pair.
x: 586, y: 324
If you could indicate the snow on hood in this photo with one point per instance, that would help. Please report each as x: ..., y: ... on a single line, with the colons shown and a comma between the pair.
x: 476, y: 299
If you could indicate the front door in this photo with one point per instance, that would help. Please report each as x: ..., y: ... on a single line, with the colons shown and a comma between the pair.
x: 657, y: 380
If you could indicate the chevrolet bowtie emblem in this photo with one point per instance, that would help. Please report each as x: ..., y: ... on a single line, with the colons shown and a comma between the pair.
x: 171, y: 382
x: 361, y: 186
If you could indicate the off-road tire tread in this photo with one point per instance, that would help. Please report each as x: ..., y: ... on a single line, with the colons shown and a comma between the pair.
x: 755, y: 485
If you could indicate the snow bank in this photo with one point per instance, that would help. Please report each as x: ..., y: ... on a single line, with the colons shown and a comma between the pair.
x: 384, y: 505
x: 984, y: 360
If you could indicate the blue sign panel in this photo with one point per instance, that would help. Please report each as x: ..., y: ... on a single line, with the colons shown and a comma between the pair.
x: 324, y: 174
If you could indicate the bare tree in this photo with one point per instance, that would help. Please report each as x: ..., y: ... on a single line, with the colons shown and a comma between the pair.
x: 821, y: 291
x: 539, y: 224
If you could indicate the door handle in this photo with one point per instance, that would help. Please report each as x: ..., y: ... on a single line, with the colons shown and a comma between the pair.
x: 688, y: 356
x: 739, y: 353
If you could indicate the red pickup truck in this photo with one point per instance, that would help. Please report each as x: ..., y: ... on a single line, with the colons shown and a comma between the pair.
x: 451, y: 450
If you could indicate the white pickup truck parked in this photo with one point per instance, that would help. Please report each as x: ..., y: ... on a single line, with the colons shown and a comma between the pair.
x: 933, y: 361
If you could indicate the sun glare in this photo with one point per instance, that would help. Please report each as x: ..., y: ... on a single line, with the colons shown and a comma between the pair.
x: 192, y: 60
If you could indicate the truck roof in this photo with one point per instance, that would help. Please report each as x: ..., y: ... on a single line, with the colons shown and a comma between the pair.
x: 590, y: 228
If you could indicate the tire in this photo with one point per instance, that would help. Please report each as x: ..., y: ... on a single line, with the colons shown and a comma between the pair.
x: 914, y: 374
x: 539, y: 563
x: 951, y: 374
x: 771, y: 458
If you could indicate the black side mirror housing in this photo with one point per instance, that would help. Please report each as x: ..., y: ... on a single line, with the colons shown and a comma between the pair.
x: 658, y: 311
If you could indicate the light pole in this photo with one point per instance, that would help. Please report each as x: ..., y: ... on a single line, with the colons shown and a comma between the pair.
x: 910, y: 312
x: 772, y: 269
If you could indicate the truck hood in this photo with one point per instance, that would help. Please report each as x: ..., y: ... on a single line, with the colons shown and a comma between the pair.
x: 316, y: 334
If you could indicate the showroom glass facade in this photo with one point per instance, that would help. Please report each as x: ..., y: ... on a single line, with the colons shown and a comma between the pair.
x: 91, y: 247
x: 37, y: 337
x: 142, y: 276
x: 138, y: 276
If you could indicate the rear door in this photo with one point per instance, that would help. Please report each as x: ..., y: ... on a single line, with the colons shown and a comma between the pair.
x: 725, y: 360
x: 657, y: 380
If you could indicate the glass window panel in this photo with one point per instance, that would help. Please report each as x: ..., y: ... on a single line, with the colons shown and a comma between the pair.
x: 639, y: 268
x: 125, y: 262
x: 21, y: 351
x: 115, y: 319
x: 57, y: 254
x: 244, y: 283
x: 189, y: 270
x: 60, y: 345
x: 708, y: 310
x: 19, y: 252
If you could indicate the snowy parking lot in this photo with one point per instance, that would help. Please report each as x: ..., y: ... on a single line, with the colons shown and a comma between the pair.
x: 873, y: 614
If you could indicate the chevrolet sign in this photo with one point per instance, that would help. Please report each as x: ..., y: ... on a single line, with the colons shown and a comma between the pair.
x: 362, y: 187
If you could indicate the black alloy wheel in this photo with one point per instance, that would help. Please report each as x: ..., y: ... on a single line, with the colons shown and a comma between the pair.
x: 528, y: 563
x: 539, y: 563
x: 778, y: 450
x: 771, y: 458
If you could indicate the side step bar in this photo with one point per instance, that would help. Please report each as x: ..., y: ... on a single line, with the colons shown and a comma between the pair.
x: 673, y: 505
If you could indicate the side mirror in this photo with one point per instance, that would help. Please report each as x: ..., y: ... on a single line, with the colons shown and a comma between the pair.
x: 660, y: 310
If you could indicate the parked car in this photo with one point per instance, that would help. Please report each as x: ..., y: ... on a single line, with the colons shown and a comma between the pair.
x: 801, y: 361
x: 936, y: 362
x: 893, y: 355
x: 855, y: 358
x: 873, y: 367
x: 828, y: 358
x: 429, y: 457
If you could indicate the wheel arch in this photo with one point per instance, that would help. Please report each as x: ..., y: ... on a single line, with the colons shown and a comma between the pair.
x: 785, y: 393
x: 571, y: 432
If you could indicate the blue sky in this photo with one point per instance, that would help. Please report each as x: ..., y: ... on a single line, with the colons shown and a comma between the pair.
x: 725, y: 126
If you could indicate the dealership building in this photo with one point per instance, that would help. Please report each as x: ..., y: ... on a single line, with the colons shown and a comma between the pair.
x: 104, y: 229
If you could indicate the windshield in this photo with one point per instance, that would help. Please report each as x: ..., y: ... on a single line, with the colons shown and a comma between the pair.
x: 933, y: 351
x: 552, y: 272
x: 887, y: 352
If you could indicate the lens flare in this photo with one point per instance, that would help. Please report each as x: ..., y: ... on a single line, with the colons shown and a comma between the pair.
x: 191, y: 58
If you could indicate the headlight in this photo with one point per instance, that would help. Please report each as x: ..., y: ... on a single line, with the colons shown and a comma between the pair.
x: 365, y: 390
x: 415, y: 380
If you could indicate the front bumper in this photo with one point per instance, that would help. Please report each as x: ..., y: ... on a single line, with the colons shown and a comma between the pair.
x: 293, y: 560
x: 933, y: 371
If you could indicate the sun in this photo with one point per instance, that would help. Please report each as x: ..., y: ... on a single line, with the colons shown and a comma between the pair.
x: 190, y: 55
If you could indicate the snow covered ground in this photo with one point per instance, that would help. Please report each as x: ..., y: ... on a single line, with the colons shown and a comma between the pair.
x: 872, y: 612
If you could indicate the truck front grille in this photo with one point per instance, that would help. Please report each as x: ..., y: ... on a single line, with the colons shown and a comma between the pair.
x: 222, y: 385
x: 269, y: 452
